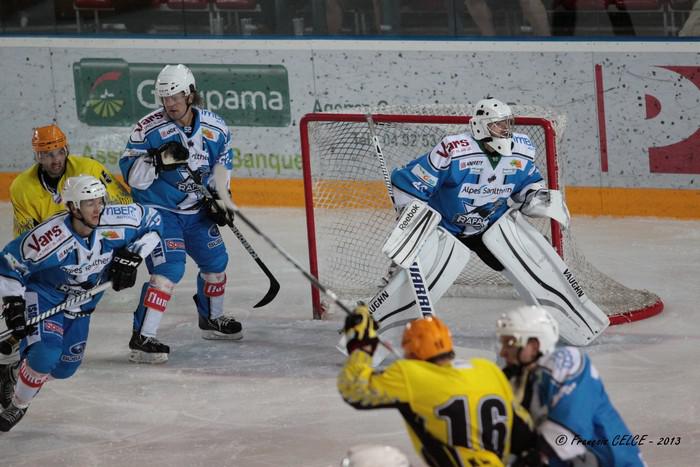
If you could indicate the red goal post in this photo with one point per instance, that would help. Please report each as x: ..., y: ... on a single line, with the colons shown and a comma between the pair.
x: 349, y: 215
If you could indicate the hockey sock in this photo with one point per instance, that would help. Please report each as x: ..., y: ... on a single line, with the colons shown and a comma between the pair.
x: 155, y: 300
x: 210, y: 293
x: 28, y: 384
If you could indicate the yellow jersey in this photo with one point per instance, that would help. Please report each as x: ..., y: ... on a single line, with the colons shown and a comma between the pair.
x: 33, y: 201
x: 462, y: 414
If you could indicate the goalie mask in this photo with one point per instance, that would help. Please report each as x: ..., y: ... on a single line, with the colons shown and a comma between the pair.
x: 492, y: 124
x: 528, y: 322
x: 427, y: 339
x: 85, y: 192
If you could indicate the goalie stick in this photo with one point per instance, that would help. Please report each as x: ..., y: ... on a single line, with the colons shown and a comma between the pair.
x: 71, y: 302
x: 220, y: 176
x: 274, y: 284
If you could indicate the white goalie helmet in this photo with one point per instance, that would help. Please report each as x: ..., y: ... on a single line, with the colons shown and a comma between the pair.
x: 370, y: 455
x: 174, y: 79
x: 83, y: 188
x: 526, y: 322
x: 492, y: 120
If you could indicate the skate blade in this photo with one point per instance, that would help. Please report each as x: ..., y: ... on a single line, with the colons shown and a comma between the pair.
x: 219, y: 336
x: 137, y: 356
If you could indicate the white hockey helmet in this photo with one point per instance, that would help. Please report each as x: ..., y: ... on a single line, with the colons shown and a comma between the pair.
x: 526, y: 322
x: 374, y: 455
x: 82, y: 188
x: 174, y: 79
x: 492, y: 121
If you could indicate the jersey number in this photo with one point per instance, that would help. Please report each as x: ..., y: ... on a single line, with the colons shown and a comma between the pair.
x: 492, y: 423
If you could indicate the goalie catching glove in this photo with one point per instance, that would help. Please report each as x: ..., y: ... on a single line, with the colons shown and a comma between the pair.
x: 124, y: 268
x: 217, y: 210
x: 361, y: 331
x: 546, y: 203
x: 169, y: 156
x: 13, y: 310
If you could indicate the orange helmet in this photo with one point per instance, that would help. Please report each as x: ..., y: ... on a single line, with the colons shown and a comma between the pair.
x: 426, y: 339
x: 48, y: 138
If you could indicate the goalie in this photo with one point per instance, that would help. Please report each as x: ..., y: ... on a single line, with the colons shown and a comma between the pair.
x: 475, y: 188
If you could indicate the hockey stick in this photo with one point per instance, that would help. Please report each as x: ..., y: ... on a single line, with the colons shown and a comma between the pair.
x: 415, y: 273
x: 220, y: 177
x: 71, y: 302
x: 274, y: 285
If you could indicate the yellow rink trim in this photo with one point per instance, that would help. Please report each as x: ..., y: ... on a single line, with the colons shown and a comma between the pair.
x: 593, y: 201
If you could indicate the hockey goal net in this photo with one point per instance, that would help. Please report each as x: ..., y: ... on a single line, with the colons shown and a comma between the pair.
x: 349, y: 214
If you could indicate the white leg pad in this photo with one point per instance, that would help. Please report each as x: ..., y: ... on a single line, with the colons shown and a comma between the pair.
x: 442, y: 258
x: 541, y: 277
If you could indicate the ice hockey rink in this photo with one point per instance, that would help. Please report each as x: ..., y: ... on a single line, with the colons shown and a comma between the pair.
x: 270, y: 399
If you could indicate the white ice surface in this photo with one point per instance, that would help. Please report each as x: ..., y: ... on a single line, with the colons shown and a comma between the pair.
x: 270, y: 400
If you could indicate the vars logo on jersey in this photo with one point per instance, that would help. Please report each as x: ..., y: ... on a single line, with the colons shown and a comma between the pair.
x: 43, y: 241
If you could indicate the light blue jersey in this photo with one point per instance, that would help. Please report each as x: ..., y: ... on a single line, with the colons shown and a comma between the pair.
x: 187, y: 228
x: 570, y: 400
x: 54, y: 261
x: 208, y: 143
x: 468, y: 187
x: 51, y: 263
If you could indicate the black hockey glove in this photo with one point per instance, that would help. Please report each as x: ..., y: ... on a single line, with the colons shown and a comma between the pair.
x: 13, y: 309
x: 218, y: 211
x: 361, y: 331
x: 123, y: 269
x: 169, y: 156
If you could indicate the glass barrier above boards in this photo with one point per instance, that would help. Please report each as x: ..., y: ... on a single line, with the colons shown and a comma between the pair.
x: 354, y: 18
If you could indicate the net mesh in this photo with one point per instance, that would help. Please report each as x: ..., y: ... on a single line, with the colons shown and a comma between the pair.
x: 353, y: 214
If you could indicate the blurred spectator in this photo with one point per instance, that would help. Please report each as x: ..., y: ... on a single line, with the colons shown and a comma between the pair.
x: 335, y: 11
x: 564, y: 19
x: 692, y: 24
x: 533, y: 11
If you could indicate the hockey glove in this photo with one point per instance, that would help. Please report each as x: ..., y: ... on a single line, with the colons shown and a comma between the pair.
x: 169, y: 156
x: 546, y: 203
x: 123, y: 269
x: 361, y: 331
x: 13, y: 310
x: 217, y: 210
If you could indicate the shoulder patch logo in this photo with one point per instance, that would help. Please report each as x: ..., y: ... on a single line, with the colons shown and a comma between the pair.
x: 112, y: 234
x: 208, y: 134
x: 424, y: 175
x: 167, y: 131
x: 106, y: 177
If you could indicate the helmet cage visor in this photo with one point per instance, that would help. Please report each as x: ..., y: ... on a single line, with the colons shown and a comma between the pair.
x: 501, y: 128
